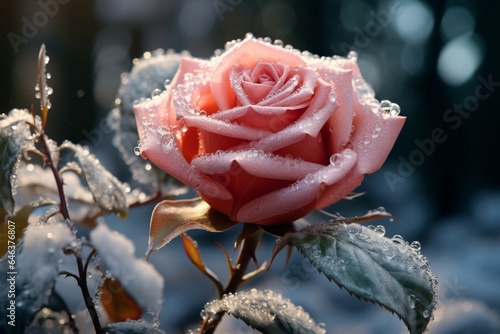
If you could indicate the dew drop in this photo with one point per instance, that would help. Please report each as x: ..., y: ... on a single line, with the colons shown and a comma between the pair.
x: 166, y: 83
x: 156, y: 92
x: 416, y: 245
x: 47, y: 59
x: 395, y: 109
x: 48, y: 75
x: 385, y: 105
x: 426, y: 313
x: 380, y: 230
x: 352, y: 55
x: 137, y: 150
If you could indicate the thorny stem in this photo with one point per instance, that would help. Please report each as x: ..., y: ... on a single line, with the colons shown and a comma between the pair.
x: 246, y: 254
x: 63, y: 209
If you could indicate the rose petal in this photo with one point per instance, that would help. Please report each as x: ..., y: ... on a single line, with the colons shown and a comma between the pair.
x: 256, y: 163
x: 310, y: 123
x: 299, y: 89
x: 339, y: 190
x: 158, y: 145
x: 225, y: 129
x: 299, y: 194
x: 374, y: 136
x: 340, y: 124
x: 246, y: 53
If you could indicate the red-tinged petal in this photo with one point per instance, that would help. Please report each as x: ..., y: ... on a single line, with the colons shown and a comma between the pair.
x: 159, y: 146
x: 336, y: 192
x: 374, y: 136
x: 232, y: 130
x: 258, y: 163
x: 317, y: 115
x: 246, y: 54
x: 339, y: 125
x: 299, y: 194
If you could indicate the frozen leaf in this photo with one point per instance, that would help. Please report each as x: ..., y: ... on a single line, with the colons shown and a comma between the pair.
x: 36, y: 268
x: 15, y: 139
x: 194, y: 255
x: 265, y: 311
x: 18, y: 223
x: 43, y: 90
x: 389, y: 272
x: 108, y: 192
x: 119, y: 305
x: 172, y: 218
x: 149, y: 74
x: 138, y: 277
x: 133, y: 327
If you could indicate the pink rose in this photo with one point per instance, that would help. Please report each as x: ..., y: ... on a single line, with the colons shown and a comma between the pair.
x: 266, y: 134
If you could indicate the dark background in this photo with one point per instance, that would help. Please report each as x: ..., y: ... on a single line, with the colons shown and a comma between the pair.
x: 425, y: 55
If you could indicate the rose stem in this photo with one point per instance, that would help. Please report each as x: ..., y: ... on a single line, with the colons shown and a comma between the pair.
x: 63, y: 209
x: 246, y: 254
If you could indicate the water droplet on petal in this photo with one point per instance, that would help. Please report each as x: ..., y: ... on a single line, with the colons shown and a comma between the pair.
x: 380, y: 230
x: 156, y: 92
x: 352, y: 55
x: 395, y: 109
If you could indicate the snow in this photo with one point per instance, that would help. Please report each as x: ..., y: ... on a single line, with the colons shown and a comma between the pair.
x: 140, y: 278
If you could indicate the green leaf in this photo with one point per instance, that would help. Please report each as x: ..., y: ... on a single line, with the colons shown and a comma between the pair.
x: 172, y: 218
x: 108, y: 192
x: 133, y: 327
x: 15, y: 139
x: 265, y: 311
x: 389, y: 272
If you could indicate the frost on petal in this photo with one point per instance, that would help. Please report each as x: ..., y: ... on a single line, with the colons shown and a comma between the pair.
x: 374, y: 135
x: 339, y: 125
x: 258, y: 163
x: 299, y: 194
x: 246, y: 53
x: 310, y: 123
x: 137, y: 276
x: 159, y: 146
x: 337, y: 191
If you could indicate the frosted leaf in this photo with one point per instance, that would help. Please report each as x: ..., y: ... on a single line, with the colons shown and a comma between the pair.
x: 265, y: 311
x: 139, y: 278
x: 148, y: 74
x: 389, y: 272
x: 108, y: 192
x: 37, y: 183
x: 37, y: 267
x: 133, y: 327
x: 15, y: 140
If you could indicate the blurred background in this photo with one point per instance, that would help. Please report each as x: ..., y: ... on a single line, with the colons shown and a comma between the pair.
x: 438, y: 60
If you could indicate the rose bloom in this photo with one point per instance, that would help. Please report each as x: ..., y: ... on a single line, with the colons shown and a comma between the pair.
x: 265, y: 133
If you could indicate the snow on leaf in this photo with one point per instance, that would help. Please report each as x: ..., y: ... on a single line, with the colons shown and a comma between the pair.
x: 389, y: 272
x: 133, y: 327
x: 138, y: 277
x: 108, y: 192
x: 171, y: 218
x: 15, y: 139
x: 37, y: 265
x: 265, y: 311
